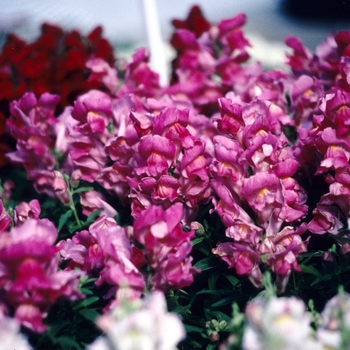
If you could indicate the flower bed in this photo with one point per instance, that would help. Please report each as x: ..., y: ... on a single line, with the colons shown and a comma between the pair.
x: 209, y: 213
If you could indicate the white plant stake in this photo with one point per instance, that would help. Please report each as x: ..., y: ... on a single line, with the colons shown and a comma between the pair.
x: 158, y: 61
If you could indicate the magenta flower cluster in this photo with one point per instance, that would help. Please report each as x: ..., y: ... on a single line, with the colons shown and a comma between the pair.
x: 253, y: 143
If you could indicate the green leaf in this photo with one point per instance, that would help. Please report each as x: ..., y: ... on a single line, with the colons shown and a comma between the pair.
x: 211, y: 347
x: 82, y: 189
x: 89, y: 314
x: 197, y: 240
x: 228, y: 300
x: 215, y: 291
x: 64, y: 218
x: 86, y: 291
x: 67, y: 342
x: 92, y: 217
x: 207, y: 263
x: 212, y: 280
x: 311, y: 270
x: 190, y: 328
x: 86, y: 302
x: 232, y: 279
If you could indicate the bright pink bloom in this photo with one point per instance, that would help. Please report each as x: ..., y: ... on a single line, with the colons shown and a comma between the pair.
x: 139, y: 78
x: 102, y: 72
x: 92, y: 201
x: 336, y: 106
x: 263, y: 192
x: 93, y: 110
x: 245, y: 260
x: 227, y: 206
x: 232, y: 38
x: 172, y: 124
x: 156, y: 225
x: 281, y: 251
x: 326, y: 218
x: 32, y: 117
x: 158, y: 155
x: 118, y: 270
x: 295, y: 197
x: 25, y: 211
x: 30, y: 278
x: 231, y: 121
x: 300, y: 59
x: 164, y: 190
x: 175, y: 270
x: 305, y: 94
x: 243, y: 230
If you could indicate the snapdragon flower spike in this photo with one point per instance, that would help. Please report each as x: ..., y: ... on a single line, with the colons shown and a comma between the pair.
x: 93, y: 111
x: 118, y: 270
x: 167, y: 246
x: 194, y: 175
x: 263, y: 192
x: 30, y: 279
x: 159, y: 154
x: 243, y: 258
x: 24, y: 211
x: 31, y: 124
x: 232, y: 38
x: 139, y: 78
x: 336, y: 107
x: 92, y: 201
x: 105, y: 251
x: 305, y: 94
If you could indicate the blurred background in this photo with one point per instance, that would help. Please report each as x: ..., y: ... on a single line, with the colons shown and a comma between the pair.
x: 269, y: 21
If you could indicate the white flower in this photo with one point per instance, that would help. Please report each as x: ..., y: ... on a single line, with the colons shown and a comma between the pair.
x: 150, y: 327
x: 335, y: 321
x: 279, y: 323
x: 10, y: 336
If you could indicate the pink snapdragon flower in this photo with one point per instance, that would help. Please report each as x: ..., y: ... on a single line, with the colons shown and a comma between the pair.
x: 139, y: 78
x: 25, y: 211
x: 167, y: 246
x: 31, y: 124
x: 105, y: 251
x: 158, y: 154
x: 93, y: 111
x: 336, y: 106
x: 263, y: 192
x: 243, y: 258
x: 30, y: 279
x: 93, y: 200
x: 101, y: 71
